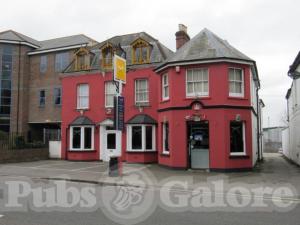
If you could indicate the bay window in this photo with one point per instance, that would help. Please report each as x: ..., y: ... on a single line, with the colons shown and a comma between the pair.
x: 197, y: 83
x: 236, y: 82
x: 141, y: 137
x: 165, y: 133
x: 82, y: 138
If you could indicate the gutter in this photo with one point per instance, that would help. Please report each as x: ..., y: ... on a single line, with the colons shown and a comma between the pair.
x: 57, y: 49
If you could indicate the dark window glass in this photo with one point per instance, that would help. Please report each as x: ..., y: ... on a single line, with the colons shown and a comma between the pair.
x: 6, y: 75
x: 5, y: 101
x: 111, y: 141
x: 5, y: 110
x: 87, y: 137
x: 166, y: 136
x: 6, y: 65
x: 61, y: 61
x: 76, y: 142
x: 5, y: 93
x: 57, y: 96
x: 42, y: 98
x: 5, y: 84
x: 7, y: 58
x: 236, y: 137
x: 149, y: 137
x: 136, y: 141
x: 4, y: 128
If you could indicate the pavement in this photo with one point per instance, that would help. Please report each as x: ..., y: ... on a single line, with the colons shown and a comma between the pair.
x: 275, y: 170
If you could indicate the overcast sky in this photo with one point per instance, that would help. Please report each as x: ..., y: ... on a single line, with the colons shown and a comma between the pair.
x: 265, y: 30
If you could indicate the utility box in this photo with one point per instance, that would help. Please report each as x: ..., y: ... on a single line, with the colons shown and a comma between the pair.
x: 115, y: 166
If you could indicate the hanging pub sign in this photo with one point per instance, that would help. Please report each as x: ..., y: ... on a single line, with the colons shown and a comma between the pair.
x: 119, y: 113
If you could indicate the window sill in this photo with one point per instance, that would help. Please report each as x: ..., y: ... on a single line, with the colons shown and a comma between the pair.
x: 142, y: 105
x: 196, y: 97
x: 237, y: 97
x: 81, y: 150
x: 140, y: 151
x: 82, y: 109
x: 165, y: 154
x: 242, y: 156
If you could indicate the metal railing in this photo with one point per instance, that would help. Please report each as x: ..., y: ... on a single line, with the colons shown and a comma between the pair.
x: 14, y: 141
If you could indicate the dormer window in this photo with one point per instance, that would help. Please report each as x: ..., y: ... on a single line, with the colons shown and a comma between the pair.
x: 107, y: 56
x: 140, y: 52
x: 82, y: 59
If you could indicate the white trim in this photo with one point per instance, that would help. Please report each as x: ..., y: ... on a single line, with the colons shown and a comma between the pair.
x: 165, y: 85
x: 19, y: 42
x: 56, y: 49
x: 82, y: 139
x: 204, y: 62
x: 242, y: 94
x: 143, y: 149
x: 196, y: 94
x: 244, y: 143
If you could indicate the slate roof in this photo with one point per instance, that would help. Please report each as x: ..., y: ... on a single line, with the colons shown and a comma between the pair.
x: 82, y: 120
x: 79, y: 39
x: 142, y: 119
x: 10, y: 35
x: 293, y: 68
x: 158, y: 53
x: 62, y: 42
x: 206, y: 45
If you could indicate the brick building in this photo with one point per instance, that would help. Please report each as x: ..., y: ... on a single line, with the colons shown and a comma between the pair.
x: 30, y: 88
x: 195, y: 108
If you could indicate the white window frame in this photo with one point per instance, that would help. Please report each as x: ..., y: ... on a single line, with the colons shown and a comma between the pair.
x: 244, y: 143
x: 108, y: 94
x: 165, y: 151
x: 85, y: 96
x: 231, y: 94
x: 165, y: 95
x: 136, y: 92
x: 82, y: 138
x: 143, y: 149
x: 196, y: 94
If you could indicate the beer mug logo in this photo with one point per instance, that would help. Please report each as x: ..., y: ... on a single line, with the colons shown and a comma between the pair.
x: 132, y: 200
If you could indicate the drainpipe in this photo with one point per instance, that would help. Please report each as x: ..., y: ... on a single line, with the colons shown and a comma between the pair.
x: 18, y: 91
x: 258, y: 123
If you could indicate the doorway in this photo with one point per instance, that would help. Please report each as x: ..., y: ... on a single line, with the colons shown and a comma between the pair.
x: 198, y: 144
x: 110, y: 142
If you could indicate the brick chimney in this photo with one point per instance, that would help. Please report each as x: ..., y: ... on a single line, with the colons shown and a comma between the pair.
x: 181, y: 36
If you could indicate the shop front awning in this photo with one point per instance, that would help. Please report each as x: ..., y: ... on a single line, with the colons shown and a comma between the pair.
x: 142, y: 119
x: 82, y: 121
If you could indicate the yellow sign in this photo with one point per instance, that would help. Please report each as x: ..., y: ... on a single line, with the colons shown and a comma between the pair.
x: 119, y: 69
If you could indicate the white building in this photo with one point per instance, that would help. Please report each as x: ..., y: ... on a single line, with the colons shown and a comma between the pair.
x: 291, y: 136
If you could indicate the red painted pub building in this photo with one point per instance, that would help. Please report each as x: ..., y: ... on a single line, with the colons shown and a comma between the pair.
x: 196, y: 108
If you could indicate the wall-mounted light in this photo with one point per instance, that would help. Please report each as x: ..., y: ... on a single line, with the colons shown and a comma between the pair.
x: 177, y: 69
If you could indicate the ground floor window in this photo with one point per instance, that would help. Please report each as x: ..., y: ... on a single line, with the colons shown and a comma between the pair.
x: 165, y: 133
x: 141, y: 137
x: 237, y: 138
x: 82, y: 138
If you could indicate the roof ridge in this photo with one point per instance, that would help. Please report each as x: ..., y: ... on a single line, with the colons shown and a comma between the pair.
x: 51, y: 39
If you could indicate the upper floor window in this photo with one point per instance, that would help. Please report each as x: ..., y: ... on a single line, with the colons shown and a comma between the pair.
x: 43, y: 64
x: 165, y: 86
x: 42, y: 98
x: 140, y: 52
x: 82, y: 59
x: 141, y: 91
x: 197, y: 82
x: 236, y: 82
x: 61, y: 61
x: 57, y: 96
x: 110, y: 92
x: 107, y: 56
x: 82, y: 96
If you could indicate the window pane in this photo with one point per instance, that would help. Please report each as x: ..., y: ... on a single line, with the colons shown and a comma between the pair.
x: 57, y: 96
x: 190, y: 88
x: 136, y: 141
x: 205, y: 86
x: 42, y: 98
x: 236, y: 137
x: 149, y: 137
x: 238, y: 75
x: 238, y: 87
x: 43, y: 64
x: 111, y: 141
x: 197, y: 75
x: 87, y: 137
x: 166, y: 137
x: 144, y: 53
x: 231, y: 74
x: 231, y: 87
x: 76, y: 137
x: 198, y: 87
x: 189, y: 75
